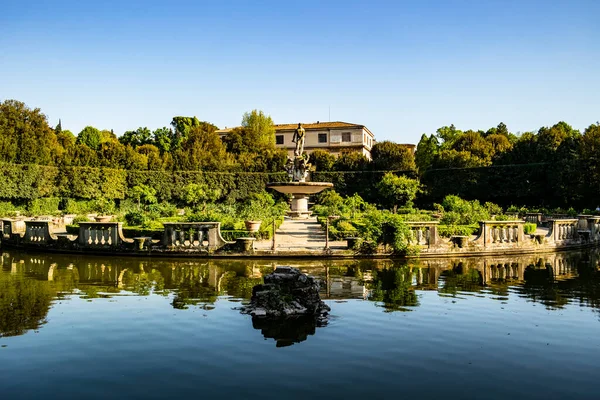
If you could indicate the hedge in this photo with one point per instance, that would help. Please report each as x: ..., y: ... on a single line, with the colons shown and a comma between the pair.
x: 28, y: 182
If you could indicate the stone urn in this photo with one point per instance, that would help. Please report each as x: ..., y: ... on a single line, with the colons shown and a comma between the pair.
x: 252, y: 226
x: 103, y: 218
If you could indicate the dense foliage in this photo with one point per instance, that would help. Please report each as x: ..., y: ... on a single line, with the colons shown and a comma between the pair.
x: 187, y: 162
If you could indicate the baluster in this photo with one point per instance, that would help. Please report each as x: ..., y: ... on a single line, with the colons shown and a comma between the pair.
x: 181, y: 234
x: 201, y: 237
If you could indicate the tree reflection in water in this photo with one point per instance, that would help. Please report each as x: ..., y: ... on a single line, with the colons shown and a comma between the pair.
x: 394, y: 288
x: 30, y: 283
x: 24, y: 304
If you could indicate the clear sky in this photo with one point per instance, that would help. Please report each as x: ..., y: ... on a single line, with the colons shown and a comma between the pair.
x: 402, y: 68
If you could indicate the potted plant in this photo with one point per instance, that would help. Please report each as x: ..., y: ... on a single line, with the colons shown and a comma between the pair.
x: 253, y: 214
x: 105, y: 207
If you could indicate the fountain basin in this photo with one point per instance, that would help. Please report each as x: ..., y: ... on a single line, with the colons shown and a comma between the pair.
x: 300, y: 192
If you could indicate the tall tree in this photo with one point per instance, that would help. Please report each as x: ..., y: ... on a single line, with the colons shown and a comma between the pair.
x: 91, y: 137
x: 390, y: 156
x: 259, y: 129
x: 427, y: 149
x: 25, y: 136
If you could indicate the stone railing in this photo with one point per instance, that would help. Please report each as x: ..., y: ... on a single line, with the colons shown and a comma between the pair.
x: 425, y: 233
x: 101, y: 235
x: 193, y: 236
x: 10, y: 226
x: 38, y: 232
x: 496, y: 233
x: 533, y: 218
x: 563, y: 229
x: 593, y: 224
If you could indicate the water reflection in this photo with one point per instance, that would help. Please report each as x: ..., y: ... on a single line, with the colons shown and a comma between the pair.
x: 29, y: 283
x: 286, y: 332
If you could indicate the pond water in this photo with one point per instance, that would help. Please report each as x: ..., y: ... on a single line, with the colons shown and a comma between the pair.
x: 98, y: 327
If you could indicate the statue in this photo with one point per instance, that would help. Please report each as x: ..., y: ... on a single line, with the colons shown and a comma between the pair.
x: 298, y: 138
x: 298, y: 168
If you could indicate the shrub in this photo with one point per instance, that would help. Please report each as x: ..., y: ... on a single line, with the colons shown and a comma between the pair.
x: 7, y: 209
x: 163, y: 209
x: 80, y: 218
x: 44, y: 206
x: 457, y: 230
x: 529, y: 228
x: 135, y: 218
x: 72, y: 206
x: 457, y: 211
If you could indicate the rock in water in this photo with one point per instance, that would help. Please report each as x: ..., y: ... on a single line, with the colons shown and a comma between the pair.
x: 287, y: 292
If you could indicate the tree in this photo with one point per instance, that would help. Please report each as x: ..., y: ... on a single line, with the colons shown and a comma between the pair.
x: 322, y: 160
x: 58, y: 128
x: 143, y: 194
x: 183, y: 127
x: 202, y: 150
x: 351, y: 161
x: 139, y: 137
x: 447, y: 135
x: 390, y: 156
x: 66, y: 139
x: 162, y: 138
x: 91, y: 137
x: 195, y: 193
x: 474, y: 143
x: 397, y: 190
x: 259, y: 130
x: 427, y: 150
x: 25, y: 136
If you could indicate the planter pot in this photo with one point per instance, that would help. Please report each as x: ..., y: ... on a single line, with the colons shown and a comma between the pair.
x: 103, y: 218
x: 252, y: 226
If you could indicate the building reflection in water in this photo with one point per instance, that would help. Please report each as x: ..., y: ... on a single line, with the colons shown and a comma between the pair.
x: 29, y: 284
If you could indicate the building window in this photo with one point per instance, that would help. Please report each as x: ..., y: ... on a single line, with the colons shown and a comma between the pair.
x: 346, y: 136
x: 322, y: 138
x: 279, y: 139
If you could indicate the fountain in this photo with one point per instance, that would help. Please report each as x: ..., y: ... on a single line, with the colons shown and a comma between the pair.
x: 297, y: 169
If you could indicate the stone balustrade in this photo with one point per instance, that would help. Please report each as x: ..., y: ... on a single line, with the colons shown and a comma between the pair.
x: 496, y: 233
x: 193, y: 236
x: 593, y: 224
x: 425, y: 233
x: 10, y: 226
x: 38, y: 232
x: 101, y: 235
x: 563, y: 229
x: 533, y: 218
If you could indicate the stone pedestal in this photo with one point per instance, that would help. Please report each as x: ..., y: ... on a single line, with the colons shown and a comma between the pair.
x: 299, y: 208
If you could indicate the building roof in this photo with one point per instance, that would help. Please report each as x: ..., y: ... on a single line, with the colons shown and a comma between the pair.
x: 319, y: 125
x: 311, y: 126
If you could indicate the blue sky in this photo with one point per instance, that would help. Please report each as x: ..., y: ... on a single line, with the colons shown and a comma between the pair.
x: 402, y: 68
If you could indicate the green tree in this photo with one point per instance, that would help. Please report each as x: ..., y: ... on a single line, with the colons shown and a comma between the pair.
x: 91, y: 137
x: 139, y: 137
x: 322, y: 160
x: 195, y: 193
x: 259, y: 130
x: 143, y: 194
x: 202, y: 150
x: 397, y: 191
x: 162, y: 138
x: 25, y: 136
x: 351, y: 161
x: 390, y: 156
x: 182, y: 127
x: 427, y: 150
